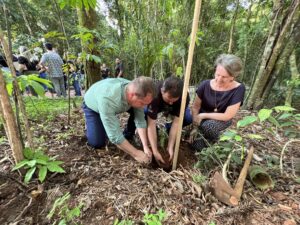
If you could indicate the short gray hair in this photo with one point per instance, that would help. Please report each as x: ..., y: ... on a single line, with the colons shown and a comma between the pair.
x: 144, y: 86
x: 232, y: 64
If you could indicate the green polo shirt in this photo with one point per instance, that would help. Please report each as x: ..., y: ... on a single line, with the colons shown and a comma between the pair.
x: 107, y: 97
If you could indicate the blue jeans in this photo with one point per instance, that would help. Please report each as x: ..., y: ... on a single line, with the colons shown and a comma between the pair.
x: 95, y: 131
x: 43, y: 75
x: 130, y: 128
x: 76, y: 84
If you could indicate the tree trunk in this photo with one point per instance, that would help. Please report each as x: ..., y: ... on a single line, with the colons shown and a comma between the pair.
x: 8, y: 56
x: 232, y: 26
x: 294, y: 77
x: 88, y: 19
x: 274, y: 46
x: 7, y: 26
x: 283, y: 59
x: 10, y: 122
x: 25, y: 18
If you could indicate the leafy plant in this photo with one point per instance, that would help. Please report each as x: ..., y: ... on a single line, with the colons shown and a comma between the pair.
x: 64, y: 213
x: 149, y: 219
x: 278, y: 119
x: 32, y: 81
x: 155, y: 219
x: 200, y: 179
x: 38, y: 160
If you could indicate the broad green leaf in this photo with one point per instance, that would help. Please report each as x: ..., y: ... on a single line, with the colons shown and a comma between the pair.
x: 29, y: 174
x: 246, y: 121
x: 286, y: 124
x: 28, y: 153
x: 264, y: 114
x: 37, y: 87
x: 238, y: 138
x: 96, y: 59
x: 255, y: 136
x: 55, y: 168
x: 20, y: 164
x: 42, y: 173
x: 285, y: 116
x: 62, y: 222
x: 274, y: 121
x: 283, y: 108
x: 31, y: 163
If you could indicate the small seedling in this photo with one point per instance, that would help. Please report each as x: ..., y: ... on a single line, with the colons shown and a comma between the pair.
x: 65, y: 215
x: 38, y: 160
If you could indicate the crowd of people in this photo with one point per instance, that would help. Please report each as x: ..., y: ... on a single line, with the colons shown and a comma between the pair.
x: 216, y: 103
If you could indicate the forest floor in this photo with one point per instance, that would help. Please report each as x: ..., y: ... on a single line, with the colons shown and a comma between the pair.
x: 111, y: 185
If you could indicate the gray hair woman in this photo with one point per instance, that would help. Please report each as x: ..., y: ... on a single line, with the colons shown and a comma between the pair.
x: 217, y: 101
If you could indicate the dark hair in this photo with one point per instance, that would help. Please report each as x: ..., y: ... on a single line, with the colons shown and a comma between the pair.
x: 48, y: 46
x: 173, y: 85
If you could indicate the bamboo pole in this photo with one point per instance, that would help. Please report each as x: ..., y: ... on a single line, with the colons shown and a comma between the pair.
x: 187, y: 78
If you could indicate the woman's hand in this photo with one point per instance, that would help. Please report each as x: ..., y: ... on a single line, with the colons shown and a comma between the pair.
x: 197, y: 120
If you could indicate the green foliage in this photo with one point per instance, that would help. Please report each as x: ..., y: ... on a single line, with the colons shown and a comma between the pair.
x: 154, y: 219
x: 278, y: 119
x: 65, y: 214
x: 42, y: 109
x: 200, y: 179
x: 149, y: 219
x: 32, y: 81
x: 78, y: 3
x: 38, y: 160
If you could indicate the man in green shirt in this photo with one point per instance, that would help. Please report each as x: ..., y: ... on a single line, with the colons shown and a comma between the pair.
x: 107, y: 98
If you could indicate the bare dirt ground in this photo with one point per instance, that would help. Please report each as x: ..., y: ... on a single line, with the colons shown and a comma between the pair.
x: 111, y: 185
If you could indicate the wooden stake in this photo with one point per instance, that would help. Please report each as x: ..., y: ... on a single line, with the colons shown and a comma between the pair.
x: 187, y: 78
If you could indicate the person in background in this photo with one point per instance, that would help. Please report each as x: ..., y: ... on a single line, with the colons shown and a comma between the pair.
x: 119, y: 69
x: 168, y: 101
x: 217, y: 101
x: 105, y: 71
x: 109, y: 97
x: 52, y: 62
x: 75, y: 78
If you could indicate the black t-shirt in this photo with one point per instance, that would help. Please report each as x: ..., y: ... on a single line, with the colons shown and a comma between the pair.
x: 220, y: 100
x: 119, y: 67
x: 105, y: 73
x: 158, y: 105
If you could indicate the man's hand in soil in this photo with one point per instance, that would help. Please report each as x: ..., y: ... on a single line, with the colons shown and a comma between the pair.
x: 171, y: 153
x: 148, y: 152
x: 142, y: 157
x: 158, y: 157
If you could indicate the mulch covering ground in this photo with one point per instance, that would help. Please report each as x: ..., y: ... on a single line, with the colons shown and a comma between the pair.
x: 112, y: 185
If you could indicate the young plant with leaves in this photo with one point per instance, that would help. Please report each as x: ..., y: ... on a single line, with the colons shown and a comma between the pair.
x: 64, y: 214
x: 37, y: 160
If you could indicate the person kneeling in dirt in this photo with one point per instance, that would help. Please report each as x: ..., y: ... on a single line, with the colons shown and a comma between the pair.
x: 217, y: 101
x: 107, y: 98
x: 168, y: 101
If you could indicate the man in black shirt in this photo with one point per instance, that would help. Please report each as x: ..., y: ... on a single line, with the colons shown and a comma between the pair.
x: 119, y: 69
x: 168, y: 100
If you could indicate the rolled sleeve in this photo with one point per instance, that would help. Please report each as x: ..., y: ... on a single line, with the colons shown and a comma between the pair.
x: 139, y: 118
